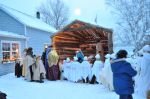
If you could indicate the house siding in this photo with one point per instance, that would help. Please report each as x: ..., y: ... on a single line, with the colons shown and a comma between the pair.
x: 8, y: 23
x: 9, y: 67
x: 37, y: 39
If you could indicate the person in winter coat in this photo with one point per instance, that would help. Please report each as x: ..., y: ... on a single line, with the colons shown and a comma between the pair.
x: 122, y: 76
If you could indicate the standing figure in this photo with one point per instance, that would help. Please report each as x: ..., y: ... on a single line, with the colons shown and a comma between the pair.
x: 122, y: 76
x: 144, y: 73
x: 46, y: 60
x: 75, y: 69
x: 66, y: 69
x: 23, y: 62
x: 86, y: 70
x: 53, y: 62
x: 39, y: 70
x: 96, y: 69
x: 29, y: 63
x: 18, y: 68
x: 106, y: 75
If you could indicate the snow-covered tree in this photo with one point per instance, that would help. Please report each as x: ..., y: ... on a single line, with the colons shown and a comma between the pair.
x: 134, y: 20
x: 55, y: 13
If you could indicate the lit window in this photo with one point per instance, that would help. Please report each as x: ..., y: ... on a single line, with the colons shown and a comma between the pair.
x: 10, y: 50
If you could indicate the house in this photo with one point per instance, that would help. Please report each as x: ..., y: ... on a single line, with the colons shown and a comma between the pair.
x: 17, y: 32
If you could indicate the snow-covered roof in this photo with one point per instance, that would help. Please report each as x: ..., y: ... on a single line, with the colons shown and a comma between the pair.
x: 12, y: 35
x: 28, y: 20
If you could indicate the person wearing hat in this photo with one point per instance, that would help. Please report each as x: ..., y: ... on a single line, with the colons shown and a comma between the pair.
x: 80, y: 55
x: 122, y: 75
x: 143, y: 83
x: 96, y: 69
x: 39, y: 70
x: 86, y: 70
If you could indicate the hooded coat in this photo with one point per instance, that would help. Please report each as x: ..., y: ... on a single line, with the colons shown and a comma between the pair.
x: 122, y: 76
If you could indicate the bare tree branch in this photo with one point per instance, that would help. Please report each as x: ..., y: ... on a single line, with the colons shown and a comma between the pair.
x: 55, y: 13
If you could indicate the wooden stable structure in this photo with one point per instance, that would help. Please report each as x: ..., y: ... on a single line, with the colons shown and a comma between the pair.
x: 85, y: 36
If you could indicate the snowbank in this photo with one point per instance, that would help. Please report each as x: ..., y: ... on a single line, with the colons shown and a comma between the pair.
x: 18, y: 88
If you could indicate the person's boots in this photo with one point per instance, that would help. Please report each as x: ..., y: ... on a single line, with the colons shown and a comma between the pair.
x: 93, y: 80
x: 41, y: 78
x: 87, y: 79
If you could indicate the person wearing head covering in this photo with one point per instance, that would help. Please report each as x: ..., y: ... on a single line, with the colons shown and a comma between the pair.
x: 106, y: 76
x: 75, y: 69
x: 47, y: 51
x: 143, y: 83
x: 79, y: 55
x: 29, y: 64
x: 66, y: 69
x: 53, y: 62
x: 39, y: 70
x: 86, y: 70
x: 23, y: 62
x: 96, y: 69
x: 122, y: 75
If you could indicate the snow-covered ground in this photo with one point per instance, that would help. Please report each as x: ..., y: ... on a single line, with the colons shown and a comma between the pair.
x: 18, y: 88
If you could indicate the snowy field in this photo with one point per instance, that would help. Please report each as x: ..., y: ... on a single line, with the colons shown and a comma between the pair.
x: 18, y: 88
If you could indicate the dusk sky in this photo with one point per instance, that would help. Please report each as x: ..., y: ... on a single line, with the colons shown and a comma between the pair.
x: 85, y: 10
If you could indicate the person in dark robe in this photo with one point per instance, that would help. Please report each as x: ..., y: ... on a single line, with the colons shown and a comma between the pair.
x: 18, y: 69
x: 53, y: 62
x: 46, y: 60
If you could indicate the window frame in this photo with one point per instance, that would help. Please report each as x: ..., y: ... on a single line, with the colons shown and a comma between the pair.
x: 11, y: 50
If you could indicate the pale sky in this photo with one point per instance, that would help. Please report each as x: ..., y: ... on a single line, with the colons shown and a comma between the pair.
x: 85, y: 10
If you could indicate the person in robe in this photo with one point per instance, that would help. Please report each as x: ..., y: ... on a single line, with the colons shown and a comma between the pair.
x: 144, y: 77
x: 23, y: 62
x: 122, y: 76
x: 44, y: 56
x: 18, y: 69
x: 53, y: 62
x: 66, y: 69
x: 75, y: 70
x: 106, y: 76
x: 86, y: 70
x: 39, y: 72
x: 96, y: 69
x: 48, y: 50
x: 79, y: 55
x: 29, y: 64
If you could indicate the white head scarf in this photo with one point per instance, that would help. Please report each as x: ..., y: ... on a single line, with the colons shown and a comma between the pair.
x: 75, y: 58
x: 97, y: 56
x: 85, y: 58
x: 68, y: 60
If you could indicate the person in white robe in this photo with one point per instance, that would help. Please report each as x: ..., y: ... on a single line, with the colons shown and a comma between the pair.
x: 66, y: 69
x: 106, y: 75
x: 39, y: 72
x: 86, y: 70
x: 96, y: 69
x: 23, y: 62
x: 143, y: 83
x: 75, y: 69
x: 29, y: 64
